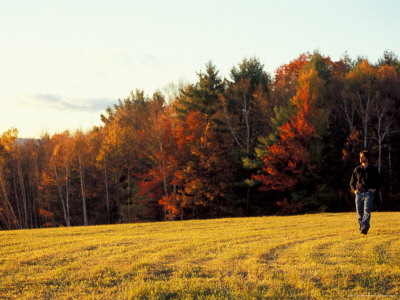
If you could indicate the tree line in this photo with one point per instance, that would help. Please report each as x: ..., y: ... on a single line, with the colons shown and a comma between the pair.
x: 251, y: 144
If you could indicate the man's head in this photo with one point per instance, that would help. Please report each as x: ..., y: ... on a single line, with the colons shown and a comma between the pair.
x: 364, y: 157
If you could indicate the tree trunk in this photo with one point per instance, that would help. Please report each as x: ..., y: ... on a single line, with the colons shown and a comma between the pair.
x: 81, y: 175
x: 166, y: 194
x: 117, y: 198
x: 246, y: 117
x: 17, y: 200
x: 129, y: 198
x: 23, y: 192
x: 61, y: 197
x: 364, y: 113
x: 390, y: 168
x: 379, y: 154
x: 38, y: 189
x: 348, y: 113
x: 107, y: 196
x: 33, y: 202
x: 365, y: 134
x: 67, y: 193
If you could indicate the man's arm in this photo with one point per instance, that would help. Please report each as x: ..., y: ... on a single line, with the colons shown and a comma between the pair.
x: 353, y: 182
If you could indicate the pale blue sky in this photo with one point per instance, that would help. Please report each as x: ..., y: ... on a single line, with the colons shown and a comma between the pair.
x: 62, y: 62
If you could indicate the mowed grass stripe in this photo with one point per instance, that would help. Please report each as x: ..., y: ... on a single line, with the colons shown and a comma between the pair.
x: 308, y: 256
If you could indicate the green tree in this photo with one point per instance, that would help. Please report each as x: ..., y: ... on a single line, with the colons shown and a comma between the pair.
x: 293, y: 158
x: 203, y: 95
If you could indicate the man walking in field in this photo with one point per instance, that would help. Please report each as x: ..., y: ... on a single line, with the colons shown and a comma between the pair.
x: 364, y: 182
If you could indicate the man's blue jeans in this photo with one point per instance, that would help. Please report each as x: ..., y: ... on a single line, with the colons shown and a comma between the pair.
x: 364, y: 202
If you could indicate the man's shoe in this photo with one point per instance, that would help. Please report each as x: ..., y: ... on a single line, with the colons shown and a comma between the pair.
x: 364, y: 231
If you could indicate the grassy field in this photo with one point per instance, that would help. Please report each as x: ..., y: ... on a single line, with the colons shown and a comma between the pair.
x: 296, y: 257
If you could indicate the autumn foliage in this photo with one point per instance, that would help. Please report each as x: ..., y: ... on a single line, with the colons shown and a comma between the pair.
x: 249, y: 144
x: 289, y: 159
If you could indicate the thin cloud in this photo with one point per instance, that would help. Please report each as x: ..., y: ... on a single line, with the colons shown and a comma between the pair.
x: 110, y: 58
x: 120, y: 58
x: 70, y: 104
x: 148, y: 59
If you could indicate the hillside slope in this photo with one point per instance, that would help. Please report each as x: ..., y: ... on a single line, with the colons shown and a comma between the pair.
x: 308, y: 256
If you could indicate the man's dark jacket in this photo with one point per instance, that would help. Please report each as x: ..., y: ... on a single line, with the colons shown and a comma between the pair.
x: 364, y: 179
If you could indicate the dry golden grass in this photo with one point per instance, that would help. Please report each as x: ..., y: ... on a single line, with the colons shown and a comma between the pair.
x: 298, y: 257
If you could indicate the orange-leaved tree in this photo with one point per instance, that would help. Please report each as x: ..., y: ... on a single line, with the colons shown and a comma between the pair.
x: 288, y: 159
x: 157, y: 183
x: 203, y: 169
x: 56, y: 175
